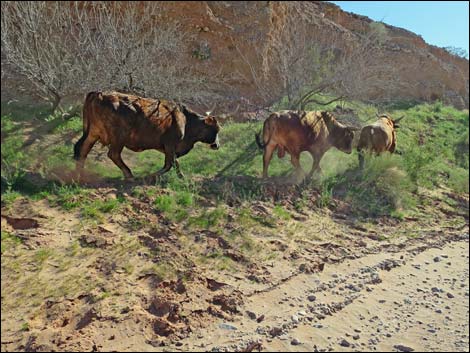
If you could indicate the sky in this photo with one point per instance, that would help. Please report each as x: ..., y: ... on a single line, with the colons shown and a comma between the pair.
x: 440, y: 23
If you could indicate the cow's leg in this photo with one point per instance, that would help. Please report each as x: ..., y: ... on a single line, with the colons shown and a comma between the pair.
x: 178, y: 170
x: 360, y: 153
x: 392, y: 147
x: 316, y: 163
x: 114, y: 154
x: 170, y: 161
x: 84, y: 149
x: 295, y: 160
x: 268, y: 154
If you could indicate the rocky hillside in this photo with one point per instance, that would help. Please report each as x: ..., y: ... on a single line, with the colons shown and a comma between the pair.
x: 219, y: 28
x: 233, y: 41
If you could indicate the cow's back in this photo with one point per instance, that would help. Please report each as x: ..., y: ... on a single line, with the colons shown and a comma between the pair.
x: 377, y: 137
x: 295, y: 130
x: 135, y: 122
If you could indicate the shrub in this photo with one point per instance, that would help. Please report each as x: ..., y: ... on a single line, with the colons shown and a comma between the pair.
x: 458, y: 180
x: 382, y: 187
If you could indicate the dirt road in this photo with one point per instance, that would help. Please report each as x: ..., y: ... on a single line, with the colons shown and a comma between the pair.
x: 383, y: 302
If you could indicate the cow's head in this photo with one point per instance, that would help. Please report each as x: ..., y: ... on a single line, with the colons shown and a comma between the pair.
x: 343, y: 137
x: 211, y: 132
x: 396, y: 121
x: 393, y: 123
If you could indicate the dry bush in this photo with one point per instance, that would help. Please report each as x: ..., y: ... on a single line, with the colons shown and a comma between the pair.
x: 68, y: 48
x: 319, y: 66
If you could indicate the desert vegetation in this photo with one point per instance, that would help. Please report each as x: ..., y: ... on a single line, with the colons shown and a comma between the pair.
x: 88, y: 264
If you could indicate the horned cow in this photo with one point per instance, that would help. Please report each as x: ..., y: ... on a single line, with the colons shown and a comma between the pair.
x: 298, y: 131
x: 121, y: 120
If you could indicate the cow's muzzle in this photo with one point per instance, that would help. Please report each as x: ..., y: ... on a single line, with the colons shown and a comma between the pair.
x: 215, y: 145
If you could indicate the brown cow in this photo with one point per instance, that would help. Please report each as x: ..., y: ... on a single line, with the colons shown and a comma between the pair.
x: 298, y: 131
x: 378, y: 137
x: 121, y: 120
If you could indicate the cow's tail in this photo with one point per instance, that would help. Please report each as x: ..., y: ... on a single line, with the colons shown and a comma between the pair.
x: 266, y: 133
x: 260, y: 144
x: 86, y: 123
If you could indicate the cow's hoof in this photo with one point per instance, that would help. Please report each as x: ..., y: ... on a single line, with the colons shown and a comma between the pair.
x: 150, y: 179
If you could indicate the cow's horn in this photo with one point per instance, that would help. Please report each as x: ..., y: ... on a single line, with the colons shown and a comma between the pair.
x: 398, y: 120
x: 209, y: 112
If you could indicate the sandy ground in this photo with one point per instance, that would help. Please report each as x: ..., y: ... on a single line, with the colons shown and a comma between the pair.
x: 335, y: 284
x: 383, y: 302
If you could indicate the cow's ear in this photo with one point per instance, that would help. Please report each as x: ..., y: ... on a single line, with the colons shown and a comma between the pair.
x: 210, y: 120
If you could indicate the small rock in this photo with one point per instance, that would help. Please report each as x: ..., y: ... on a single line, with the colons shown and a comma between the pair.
x: 402, y: 348
x: 275, y: 331
x: 450, y: 295
x: 344, y: 343
x: 295, y: 342
x: 227, y: 327
x: 251, y: 315
x: 111, y: 196
x: 356, y: 337
x: 295, y: 319
x: 437, y: 259
x: 311, y: 298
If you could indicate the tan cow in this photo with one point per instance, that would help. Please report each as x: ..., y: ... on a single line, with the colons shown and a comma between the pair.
x: 121, y: 120
x: 298, y: 131
x: 378, y: 137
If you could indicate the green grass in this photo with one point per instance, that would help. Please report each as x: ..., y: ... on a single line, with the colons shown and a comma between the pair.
x: 281, y: 213
x: 382, y: 187
x: 14, y: 159
x: 208, y: 218
x: 432, y: 151
x: 163, y: 271
x: 24, y: 326
x: 9, y: 196
x: 9, y: 241
x: 41, y: 255
x: 247, y: 219
x: 165, y: 203
x: 175, y: 206
x: 458, y: 180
